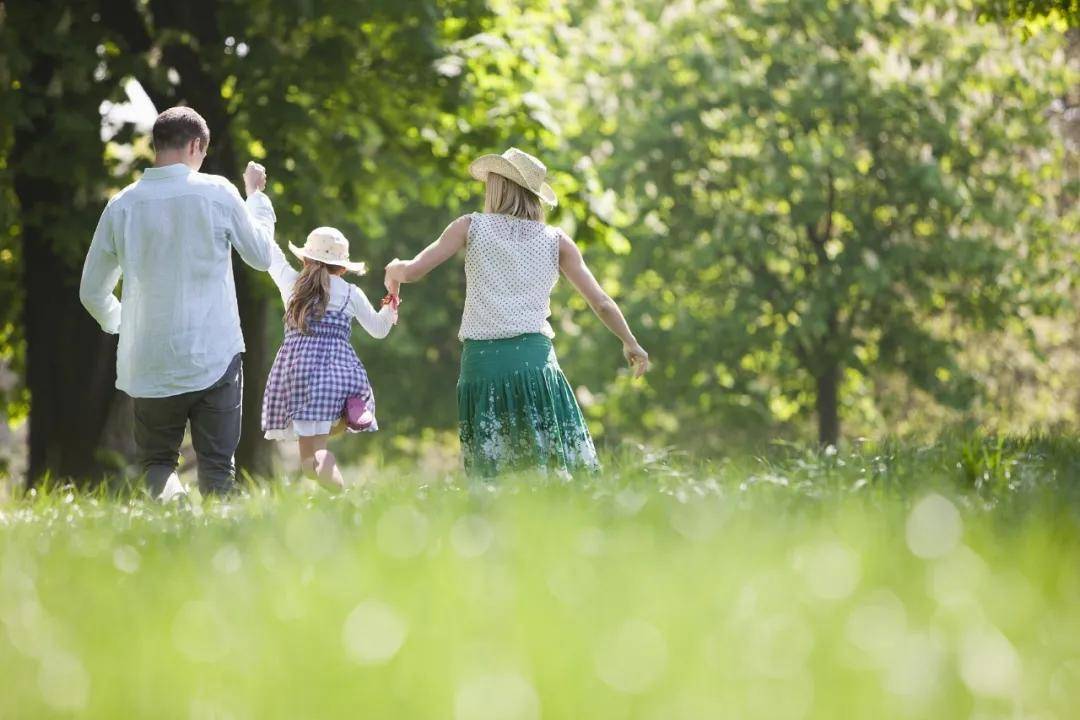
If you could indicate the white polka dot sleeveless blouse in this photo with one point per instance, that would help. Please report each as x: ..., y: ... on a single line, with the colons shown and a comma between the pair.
x: 511, y: 267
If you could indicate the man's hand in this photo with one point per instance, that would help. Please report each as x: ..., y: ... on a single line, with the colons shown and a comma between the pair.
x: 254, y: 178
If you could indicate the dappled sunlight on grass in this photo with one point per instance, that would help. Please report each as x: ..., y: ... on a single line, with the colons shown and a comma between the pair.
x: 884, y: 582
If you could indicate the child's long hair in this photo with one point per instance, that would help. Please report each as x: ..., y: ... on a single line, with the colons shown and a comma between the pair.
x: 310, y: 296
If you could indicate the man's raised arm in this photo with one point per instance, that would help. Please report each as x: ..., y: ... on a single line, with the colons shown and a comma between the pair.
x: 253, y: 221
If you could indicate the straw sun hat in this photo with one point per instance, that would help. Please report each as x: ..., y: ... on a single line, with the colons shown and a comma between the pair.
x: 328, y: 245
x: 519, y: 166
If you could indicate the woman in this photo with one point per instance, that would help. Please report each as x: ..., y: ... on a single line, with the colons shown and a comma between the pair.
x: 515, y: 408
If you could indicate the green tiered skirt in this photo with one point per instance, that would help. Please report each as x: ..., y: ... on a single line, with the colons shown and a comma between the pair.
x: 516, y: 411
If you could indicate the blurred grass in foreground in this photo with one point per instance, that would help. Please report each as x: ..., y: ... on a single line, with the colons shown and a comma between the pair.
x: 893, y: 581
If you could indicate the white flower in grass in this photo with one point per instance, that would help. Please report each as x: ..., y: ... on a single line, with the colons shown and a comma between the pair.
x: 373, y: 633
x: 878, y: 626
x: 64, y: 682
x: 989, y: 665
x: 632, y: 658
x: 630, y: 502
x: 503, y: 696
x: 572, y: 581
x: 402, y: 531
x: 917, y: 667
x: 126, y: 559
x: 227, y: 560
x: 311, y: 535
x: 958, y: 580
x: 590, y: 541
x: 200, y: 632
x: 779, y: 645
x: 471, y: 536
x: 829, y: 569
x: 697, y: 520
x: 933, y: 527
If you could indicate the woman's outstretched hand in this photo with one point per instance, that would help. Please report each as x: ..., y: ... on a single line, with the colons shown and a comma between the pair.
x: 395, y: 275
x: 637, y: 357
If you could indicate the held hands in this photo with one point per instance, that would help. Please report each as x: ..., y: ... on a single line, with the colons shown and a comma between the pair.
x: 637, y: 357
x: 395, y: 275
x: 393, y: 300
x: 254, y: 178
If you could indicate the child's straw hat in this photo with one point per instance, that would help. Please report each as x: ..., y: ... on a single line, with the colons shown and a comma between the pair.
x: 328, y: 245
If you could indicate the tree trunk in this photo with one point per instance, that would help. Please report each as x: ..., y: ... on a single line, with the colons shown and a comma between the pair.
x: 828, y: 387
x: 70, y: 362
x: 254, y: 454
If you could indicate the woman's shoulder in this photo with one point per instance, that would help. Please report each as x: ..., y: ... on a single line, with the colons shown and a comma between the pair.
x: 537, y: 225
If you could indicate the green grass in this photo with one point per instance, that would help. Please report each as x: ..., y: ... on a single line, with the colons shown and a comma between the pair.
x: 894, y: 581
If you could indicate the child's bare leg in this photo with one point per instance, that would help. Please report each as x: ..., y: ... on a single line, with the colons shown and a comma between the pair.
x: 319, y: 463
x: 308, y: 446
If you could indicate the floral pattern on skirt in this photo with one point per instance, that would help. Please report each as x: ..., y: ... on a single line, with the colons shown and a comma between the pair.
x: 517, y: 411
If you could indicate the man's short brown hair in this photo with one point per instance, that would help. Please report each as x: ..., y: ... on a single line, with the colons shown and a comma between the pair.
x: 178, y: 126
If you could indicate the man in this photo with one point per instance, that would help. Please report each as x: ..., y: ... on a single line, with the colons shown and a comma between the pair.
x: 170, y: 235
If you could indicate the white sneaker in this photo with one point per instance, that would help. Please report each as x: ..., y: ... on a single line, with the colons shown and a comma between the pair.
x: 174, y: 490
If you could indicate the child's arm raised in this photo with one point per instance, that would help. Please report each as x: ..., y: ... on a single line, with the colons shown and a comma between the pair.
x: 577, y: 272
x: 450, y: 242
x: 281, y: 272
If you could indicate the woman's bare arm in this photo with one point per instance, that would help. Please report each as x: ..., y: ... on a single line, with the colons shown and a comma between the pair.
x: 449, y: 243
x: 577, y: 272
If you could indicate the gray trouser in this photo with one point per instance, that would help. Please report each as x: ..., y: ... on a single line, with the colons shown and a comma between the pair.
x: 215, y: 431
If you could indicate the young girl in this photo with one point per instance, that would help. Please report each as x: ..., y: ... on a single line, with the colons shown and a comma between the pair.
x: 515, y: 407
x: 316, y: 370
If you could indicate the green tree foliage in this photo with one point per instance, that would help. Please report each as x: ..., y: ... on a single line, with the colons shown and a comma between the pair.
x: 801, y: 205
x: 1068, y: 10
x: 365, y: 114
x: 378, y: 147
x: 56, y: 176
x: 819, y: 194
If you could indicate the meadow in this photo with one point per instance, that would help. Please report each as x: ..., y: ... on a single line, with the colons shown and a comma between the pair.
x: 893, y: 580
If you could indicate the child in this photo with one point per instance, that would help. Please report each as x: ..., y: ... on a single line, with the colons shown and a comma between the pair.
x: 316, y: 369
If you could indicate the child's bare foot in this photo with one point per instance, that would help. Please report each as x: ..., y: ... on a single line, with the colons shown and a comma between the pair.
x: 326, y: 470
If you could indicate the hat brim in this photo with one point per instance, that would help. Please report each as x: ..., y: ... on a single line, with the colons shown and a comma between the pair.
x: 486, y: 164
x: 359, y: 268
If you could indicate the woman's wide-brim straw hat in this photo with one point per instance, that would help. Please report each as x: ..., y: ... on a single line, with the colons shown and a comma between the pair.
x: 328, y: 245
x: 519, y: 166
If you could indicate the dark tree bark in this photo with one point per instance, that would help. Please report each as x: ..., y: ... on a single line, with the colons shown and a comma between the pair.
x: 828, y: 414
x: 70, y: 362
x: 827, y: 369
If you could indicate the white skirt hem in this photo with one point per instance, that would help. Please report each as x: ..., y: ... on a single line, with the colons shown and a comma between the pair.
x: 309, y: 428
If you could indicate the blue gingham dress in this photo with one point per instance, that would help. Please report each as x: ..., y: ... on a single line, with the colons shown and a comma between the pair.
x: 314, y: 373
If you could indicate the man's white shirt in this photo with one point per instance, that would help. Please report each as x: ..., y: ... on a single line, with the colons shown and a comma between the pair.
x: 170, y: 237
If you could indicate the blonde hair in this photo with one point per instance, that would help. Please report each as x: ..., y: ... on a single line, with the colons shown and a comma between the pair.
x: 310, y: 296
x: 506, y: 197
